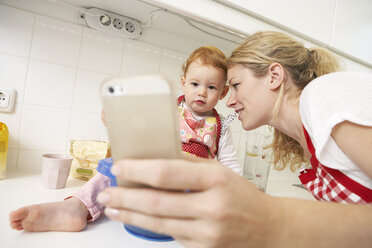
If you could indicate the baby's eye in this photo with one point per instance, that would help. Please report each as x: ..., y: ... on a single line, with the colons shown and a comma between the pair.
x: 212, y: 87
x: 194, y: 83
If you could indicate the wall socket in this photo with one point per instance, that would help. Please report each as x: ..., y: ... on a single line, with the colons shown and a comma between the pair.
x: 7, y: 100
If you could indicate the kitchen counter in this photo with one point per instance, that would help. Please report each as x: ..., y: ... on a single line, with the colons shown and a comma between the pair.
x: 18, y: 190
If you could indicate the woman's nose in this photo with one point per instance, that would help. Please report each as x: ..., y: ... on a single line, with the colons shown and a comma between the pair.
x: 230, y: 103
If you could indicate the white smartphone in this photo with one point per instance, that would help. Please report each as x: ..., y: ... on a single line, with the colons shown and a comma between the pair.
x: 141, y: 117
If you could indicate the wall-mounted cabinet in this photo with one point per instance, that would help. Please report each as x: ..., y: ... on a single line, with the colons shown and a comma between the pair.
x: 343, y: 26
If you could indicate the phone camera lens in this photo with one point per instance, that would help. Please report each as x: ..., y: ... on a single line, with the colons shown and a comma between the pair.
x: 111, y: 89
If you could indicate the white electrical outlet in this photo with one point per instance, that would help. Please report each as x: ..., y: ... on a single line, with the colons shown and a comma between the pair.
x: 109, y: 22
x: 7, y: 100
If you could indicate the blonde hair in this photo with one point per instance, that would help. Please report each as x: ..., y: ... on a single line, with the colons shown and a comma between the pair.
x: 302, y: 65
x: 208, y: 55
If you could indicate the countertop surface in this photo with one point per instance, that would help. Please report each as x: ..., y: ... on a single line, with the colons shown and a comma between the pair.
x: 20, y: 189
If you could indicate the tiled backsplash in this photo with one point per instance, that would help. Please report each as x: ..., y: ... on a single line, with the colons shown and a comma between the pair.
x: 56, y: 68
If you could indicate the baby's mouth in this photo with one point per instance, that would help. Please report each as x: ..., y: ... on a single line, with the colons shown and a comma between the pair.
x: 199, y: 102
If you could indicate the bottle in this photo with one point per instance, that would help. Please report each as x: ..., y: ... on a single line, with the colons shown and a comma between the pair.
x: 4, y: 137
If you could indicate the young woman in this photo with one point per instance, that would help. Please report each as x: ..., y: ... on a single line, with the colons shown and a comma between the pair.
x: 318, y: 115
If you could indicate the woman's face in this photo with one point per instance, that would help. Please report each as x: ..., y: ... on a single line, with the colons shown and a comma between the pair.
x: 250, y: 97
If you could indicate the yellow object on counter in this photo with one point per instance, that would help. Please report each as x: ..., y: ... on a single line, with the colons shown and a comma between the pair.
x: 4, y: 138
x: 86, y: 154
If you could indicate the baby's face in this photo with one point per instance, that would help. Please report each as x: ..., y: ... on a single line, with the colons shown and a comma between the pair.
x: 203, y: 87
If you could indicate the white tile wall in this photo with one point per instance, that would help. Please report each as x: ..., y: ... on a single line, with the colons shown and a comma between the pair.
x: 86, y: 95
x: 56, y: 41
x: 13, y: 71
x: 101, y: 52
x: 57, y: 67
x: 43, y: 128
x: 16, y: 29
x: 171, y: 66
x: 86, y: 126
x: 49, y: 85
x: 30, y: 160
x: 140, y: 58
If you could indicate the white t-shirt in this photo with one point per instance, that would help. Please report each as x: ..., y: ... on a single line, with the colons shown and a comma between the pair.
x: 332, y: 99
x: 226, y: 153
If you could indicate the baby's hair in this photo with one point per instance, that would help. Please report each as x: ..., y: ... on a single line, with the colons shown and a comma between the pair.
x: 208, y: 55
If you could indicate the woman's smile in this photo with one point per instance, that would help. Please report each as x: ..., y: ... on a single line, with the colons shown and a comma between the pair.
x: 239, y: 112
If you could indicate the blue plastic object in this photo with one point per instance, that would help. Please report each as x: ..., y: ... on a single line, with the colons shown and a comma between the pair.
x: 104, y: 167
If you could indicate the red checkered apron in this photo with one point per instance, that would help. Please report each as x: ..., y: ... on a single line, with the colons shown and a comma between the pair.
x: 327, y: 184
x: 197, y: 148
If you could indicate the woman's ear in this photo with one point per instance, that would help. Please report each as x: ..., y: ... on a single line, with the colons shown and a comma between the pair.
x: 224, y: 91
x: 276, y: 75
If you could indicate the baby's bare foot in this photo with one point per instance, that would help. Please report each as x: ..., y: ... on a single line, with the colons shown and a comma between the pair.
x: 69, y: 215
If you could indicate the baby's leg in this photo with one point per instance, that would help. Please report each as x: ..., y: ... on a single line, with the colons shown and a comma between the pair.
x: 69, y: 215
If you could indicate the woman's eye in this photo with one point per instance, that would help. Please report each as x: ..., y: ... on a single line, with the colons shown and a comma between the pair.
x: 235, y: 85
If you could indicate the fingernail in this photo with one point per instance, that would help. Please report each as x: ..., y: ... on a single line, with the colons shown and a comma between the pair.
x: 103, y: 197
x: 115, y: 170
x: 112, y: 212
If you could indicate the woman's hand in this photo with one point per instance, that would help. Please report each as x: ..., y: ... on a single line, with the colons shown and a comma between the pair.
x: 199, y: 203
